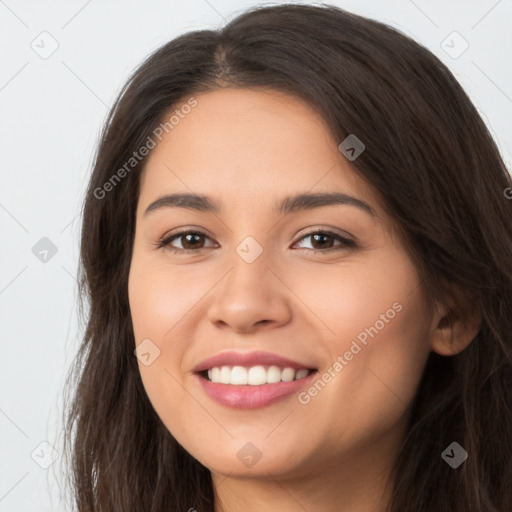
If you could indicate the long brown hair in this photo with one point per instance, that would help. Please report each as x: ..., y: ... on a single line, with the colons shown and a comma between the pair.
x: 433, y: 162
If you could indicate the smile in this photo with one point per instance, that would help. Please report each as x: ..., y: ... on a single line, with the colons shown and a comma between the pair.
x: 250, y: 380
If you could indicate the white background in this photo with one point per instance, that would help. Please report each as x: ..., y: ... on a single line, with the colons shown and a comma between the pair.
x: 51, y: 112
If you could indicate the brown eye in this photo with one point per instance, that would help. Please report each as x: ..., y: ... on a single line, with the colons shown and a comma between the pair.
x: 190, y: 241
x: 323, y: 241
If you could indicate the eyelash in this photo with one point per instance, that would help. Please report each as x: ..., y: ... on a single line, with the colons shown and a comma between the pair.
x: 165, y: 241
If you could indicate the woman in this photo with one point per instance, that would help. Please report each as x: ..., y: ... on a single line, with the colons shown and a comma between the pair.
x: 296, y: 250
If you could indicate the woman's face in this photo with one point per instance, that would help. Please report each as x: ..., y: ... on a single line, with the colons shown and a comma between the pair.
x: 250, y: 281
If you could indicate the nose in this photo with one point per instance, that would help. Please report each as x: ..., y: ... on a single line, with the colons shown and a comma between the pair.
x: 250, y: 297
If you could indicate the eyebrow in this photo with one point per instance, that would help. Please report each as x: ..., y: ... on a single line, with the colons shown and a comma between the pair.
x: 289, y: 204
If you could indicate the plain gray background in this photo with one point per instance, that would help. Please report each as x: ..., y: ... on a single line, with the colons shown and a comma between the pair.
x: 52, y: 108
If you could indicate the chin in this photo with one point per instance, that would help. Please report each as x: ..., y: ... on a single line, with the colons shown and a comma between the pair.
x: 249, y: 461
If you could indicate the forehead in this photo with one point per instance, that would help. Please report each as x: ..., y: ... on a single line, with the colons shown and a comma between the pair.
x: 248, y: 146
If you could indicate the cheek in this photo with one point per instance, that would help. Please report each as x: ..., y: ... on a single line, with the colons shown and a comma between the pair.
x: 161, y: 303
x: 381, y: 364
x: 349, y: 297
x: 160, y: 298
x: 378, y: 345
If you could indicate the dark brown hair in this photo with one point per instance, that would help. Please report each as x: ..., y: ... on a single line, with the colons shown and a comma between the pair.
x: 437, y: 170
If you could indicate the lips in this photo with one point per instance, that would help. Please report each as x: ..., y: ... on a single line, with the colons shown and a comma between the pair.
x: 238, y: 392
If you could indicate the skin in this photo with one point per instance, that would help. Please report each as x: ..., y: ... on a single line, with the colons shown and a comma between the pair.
x: 247, y: 150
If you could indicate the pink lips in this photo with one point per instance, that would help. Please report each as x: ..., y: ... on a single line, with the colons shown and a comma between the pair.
x: 247, y: 396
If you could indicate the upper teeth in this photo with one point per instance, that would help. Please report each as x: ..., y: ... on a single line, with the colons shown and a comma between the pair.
x: 255, y: 375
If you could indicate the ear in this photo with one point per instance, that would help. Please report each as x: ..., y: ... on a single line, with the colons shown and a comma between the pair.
x: 453, y: 328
